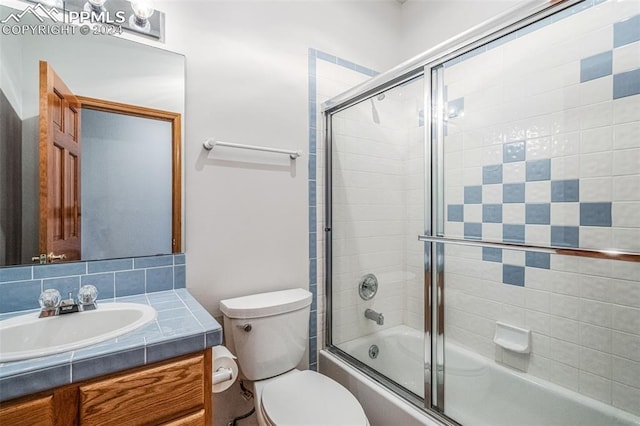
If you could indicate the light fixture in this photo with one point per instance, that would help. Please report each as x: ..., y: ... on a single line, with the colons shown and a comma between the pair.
x: 135, y: 16
x: 142, y: 11
x: 52, y: 3
x: 94, y: 5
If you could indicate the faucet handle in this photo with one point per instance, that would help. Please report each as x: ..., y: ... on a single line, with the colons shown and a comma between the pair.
x: 87, y: 294
x: 49, y: 299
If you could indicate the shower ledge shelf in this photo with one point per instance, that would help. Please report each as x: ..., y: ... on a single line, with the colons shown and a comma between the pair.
x: 512, y: 338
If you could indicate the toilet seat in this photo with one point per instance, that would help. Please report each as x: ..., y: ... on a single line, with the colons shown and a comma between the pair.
x: 310, y: 398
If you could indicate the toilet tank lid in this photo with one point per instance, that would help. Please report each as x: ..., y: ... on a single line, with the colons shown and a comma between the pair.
x: 266, y: 304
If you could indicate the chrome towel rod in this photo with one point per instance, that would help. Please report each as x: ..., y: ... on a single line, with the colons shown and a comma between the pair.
x: 210, y: 143
x: 580, y: 252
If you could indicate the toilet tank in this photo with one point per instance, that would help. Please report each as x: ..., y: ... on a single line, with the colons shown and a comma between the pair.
x: 268, y: 332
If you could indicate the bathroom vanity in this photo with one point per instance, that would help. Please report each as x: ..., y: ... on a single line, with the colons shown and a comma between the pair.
x: 160, y: 374
x: 173, y: 392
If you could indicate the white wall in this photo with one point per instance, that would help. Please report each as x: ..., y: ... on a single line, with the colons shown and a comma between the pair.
x: 246, y: 213
x: 426, y: 23
x: 247, y: 82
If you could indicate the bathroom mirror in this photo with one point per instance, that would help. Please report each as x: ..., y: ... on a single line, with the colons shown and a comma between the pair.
x: 101, y: 70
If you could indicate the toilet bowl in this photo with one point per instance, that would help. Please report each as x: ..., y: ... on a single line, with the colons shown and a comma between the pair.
x: 306, y: 398
x: 269, y: 332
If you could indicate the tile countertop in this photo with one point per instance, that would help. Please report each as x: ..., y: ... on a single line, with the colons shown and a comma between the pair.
x: 182, y: 326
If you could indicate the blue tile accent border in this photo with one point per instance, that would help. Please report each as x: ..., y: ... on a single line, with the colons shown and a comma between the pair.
x: 21, y: 286
x: 313, y: 57
x: 24, y: 384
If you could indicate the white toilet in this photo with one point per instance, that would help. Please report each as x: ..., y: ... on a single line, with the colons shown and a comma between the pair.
x: 268, y: 332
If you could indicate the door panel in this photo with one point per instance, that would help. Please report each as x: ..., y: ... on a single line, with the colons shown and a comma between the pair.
x: 59, y: 167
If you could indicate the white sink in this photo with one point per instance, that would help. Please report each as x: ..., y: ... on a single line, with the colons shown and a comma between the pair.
x: 28, y: 336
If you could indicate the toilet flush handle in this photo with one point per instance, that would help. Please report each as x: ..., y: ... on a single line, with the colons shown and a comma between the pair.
x: 246, y: 327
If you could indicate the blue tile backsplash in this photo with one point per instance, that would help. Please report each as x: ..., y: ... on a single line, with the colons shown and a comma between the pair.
x: 21, y: 286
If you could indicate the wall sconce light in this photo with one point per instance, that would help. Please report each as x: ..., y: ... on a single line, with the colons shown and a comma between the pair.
x: 52, y: 3
x: 144, y: 21
x: 95, y: 6
x: 142, y: 11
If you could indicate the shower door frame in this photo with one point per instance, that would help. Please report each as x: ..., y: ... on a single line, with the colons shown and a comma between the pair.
x: 429, y: 65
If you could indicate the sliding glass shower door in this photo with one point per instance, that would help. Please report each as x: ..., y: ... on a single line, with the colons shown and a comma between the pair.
x: 538, y: 133
x: 377, y: 262
x: 483, y: 234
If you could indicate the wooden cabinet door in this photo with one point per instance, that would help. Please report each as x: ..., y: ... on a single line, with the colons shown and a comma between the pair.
x: 146, y: 397
x: 59, y: 166
x: 38, y: 412
x: 195, y: 419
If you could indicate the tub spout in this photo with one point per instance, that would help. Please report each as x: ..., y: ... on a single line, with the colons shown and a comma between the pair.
x: 374, y: 316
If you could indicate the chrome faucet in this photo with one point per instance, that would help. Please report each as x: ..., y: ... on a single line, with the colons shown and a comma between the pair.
x: 374, y: 316
x: 52, y: 304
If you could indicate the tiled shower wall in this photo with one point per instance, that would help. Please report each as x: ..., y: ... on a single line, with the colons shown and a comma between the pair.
x: 542, y: 147
x: 21, y: 286
x: 378, y: 187
x: 328, y: 76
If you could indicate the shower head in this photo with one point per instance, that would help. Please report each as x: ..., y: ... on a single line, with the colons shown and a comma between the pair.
x: 374, y: 112
x: 381, y: 96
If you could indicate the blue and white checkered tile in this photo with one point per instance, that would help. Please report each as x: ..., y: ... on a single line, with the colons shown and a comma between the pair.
x: 538, y: 211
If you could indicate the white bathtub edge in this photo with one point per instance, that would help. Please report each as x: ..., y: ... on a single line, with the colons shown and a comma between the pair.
x: 381, y: 406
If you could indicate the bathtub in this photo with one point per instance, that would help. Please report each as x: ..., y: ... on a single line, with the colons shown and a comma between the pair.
x: 478, y: 391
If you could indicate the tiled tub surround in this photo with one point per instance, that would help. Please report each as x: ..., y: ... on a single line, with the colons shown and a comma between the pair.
x: 543, y: 147
x: 182, y: 325
x: 378, y: 204
x: 329, y: 75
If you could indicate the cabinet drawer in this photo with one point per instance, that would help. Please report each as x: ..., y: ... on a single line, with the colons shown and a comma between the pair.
x: 195, y: 419
x: 31, y: 413
x: 145, y: 397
